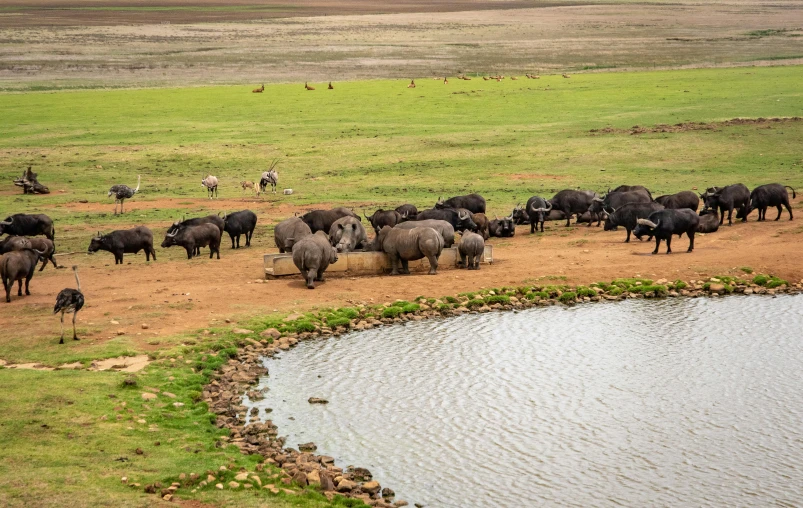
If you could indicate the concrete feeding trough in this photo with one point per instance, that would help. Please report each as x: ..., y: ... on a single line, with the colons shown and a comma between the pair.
x: 366, y: 263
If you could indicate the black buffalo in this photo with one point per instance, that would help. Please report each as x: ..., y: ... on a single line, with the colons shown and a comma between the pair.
x: 615, y: 200
x: 631, y: 188
x: 665, y: 223
x: 322, y: 220
x: 22, y: 224
x: 683, y: 199
x: 197, y: 221
x: 240, y: 223
x: 535, y: 212
x: 382, y: 218
x: 627, y: 216
x: 572, y: 202
x: 407, y: 211
x: 460, y: 220
x: 474, y: 203
x: 126, y: 241
x: 709, y: 222
x: 502, y: 228
x: 729, y: 198
x: 192, y: 238
x: 765, y: 196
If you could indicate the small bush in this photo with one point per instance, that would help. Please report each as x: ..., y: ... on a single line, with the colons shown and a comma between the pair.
x: 475, y: 304
x: 392, y: 312
x: 411, y: 307
x: 304, y: 326
x: 615, y: 291
x: 678, y: 285
x: 746, y: 269
x: 450, y: 299
x: 500, y: 299
x: 400, y: 303
x: 568, y: 297
x: 761, y: 280
x: 584, y: 291
x: 335, y: 321
x: 348, y: 312
x: 470, y: 296
x: 443, y: 307
x: 776, y: 282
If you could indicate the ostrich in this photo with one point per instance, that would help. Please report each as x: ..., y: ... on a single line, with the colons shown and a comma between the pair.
x: 69, y: 301
x: 121, y: 193
x: 210, y: 182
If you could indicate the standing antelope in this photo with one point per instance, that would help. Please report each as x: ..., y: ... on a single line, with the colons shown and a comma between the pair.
x: 210, y: 182
x: 269, y: 177
x: 248, y: 185
x: 308, y: 87
x: 258, y: 90
x: 412, y: 84
x: 121, y: 193
x: 445, y: 81
x: 330, y: 86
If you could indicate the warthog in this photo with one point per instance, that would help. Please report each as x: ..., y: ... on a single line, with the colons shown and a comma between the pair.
x: 683, y: 199
x: 735, y: 196
x: 765, y: 196
x: 709, y: 222
x: 288, y: 232
x: 665, y: 223
x: 572, y: 202
x: 441, y: 226
x: 125, y: 241
x: 474, y: 203
x: 405, y: 245
x: 47, y: 247
x: 312, y: 255
x: 471, y: 249
x: 322, y: 220
x: 628, y: 215
x: 192, y: 238
x: 17, y: 265
x: 21, y: 224
x: 347, y: 234
x: 240, y: 223
x: 382, y: 218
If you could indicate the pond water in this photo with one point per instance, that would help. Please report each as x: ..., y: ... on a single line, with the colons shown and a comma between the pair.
x: 677, y: 402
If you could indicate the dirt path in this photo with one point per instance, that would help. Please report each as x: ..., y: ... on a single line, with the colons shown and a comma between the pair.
x: 174, y: 296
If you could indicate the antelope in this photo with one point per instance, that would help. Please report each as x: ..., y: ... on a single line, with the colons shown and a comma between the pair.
x: 330, y: 86
x: 485, y: 78
x: 412, y: 84
x: 258, y: 90
x: 445, y: 81
x: 248, y: 185
x: 308, y: 87
x: 513, y: 78
x: 210, y: 182
x: 466, y: 78
x: 566, y: 76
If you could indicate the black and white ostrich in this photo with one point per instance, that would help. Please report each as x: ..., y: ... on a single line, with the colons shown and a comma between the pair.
x: 69, y: 301
x: 121, y: 193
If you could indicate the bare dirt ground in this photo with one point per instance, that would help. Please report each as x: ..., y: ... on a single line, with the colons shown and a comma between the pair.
x: 176, y: 295
x: 581, y: 37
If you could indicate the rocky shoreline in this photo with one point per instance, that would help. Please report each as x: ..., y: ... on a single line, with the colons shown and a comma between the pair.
x: 302, y: 467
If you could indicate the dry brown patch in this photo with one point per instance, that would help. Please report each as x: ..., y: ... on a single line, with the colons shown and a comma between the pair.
x: 696, y: 126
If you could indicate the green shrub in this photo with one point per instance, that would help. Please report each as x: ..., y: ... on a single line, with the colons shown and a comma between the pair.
x: 443, y: 307
x: 746, y: 269
x: 475, y: 304
x: 584, y: 291
x: 678, y: 285
x: 411, y: 307
x: 615, y: 291
x: 335, y: 321
x: 500, y: 299
x: 392, y: 312
x: 348, y: 312
x: 450, y: 299
x: 776, y: 282
x: 761, y: 280
x: 303, y: 326
x: 568, y: 297
x: 400, y: 303
x: 470, y: 296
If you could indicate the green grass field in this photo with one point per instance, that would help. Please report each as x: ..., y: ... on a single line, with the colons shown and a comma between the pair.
x: 362, y: 144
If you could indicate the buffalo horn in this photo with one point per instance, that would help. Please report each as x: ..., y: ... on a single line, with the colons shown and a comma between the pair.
x: 645, y: 222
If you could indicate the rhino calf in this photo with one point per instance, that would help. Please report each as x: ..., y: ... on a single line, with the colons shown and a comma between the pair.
x: 471, y: 249
x: 288, y: 232
x: 405, y: 245
x: 312, y: 255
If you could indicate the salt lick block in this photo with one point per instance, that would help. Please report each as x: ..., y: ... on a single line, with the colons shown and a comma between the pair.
x: 365, y: 263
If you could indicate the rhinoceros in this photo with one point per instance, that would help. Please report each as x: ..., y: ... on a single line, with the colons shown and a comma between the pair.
x: 441, y: 226
x: 471, y: 248
x: 312, y: 255
x: 404, y: 245
x: 347, y: 234
x: 288, y: 232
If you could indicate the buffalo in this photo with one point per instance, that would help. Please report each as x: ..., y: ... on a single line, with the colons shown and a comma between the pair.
x: 709, y: 222
x: 471, y: 249
x: 536, y: 212
x: 288, y: 232
x: 21, y: 224
x: 765, y: 196
x: 209, y: 219
x: 407, y: 211
x: 240, y: 223
x: 482, y: 222
x: 125, y: 241
x: 502, y: 228
x: 613, y: 201
x: 628, y: 215
x: 17, y: 265
x: 474, y: 203
x: 445, y: 229
x: 312, y: 255
x: 735, y: 196
x: 382, y: 218
x: 47, y: 247
x: 322, y: 220
x: 347, y: 234
x: 572, y: 202
x: 192, y: 238
x: 665, y: 223
x: 683, y: 199
x: 630, y: 188
x: 405, y: 245
x: 460, y: 221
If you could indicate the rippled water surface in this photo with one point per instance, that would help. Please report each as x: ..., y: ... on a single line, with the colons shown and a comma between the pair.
x: 680, y: 402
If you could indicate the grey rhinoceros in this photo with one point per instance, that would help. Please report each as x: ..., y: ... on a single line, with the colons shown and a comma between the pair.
x: 404, y: 245
x: 312, y: 255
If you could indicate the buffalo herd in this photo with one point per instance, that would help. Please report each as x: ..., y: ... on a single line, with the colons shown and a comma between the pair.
x: 406, y: 233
